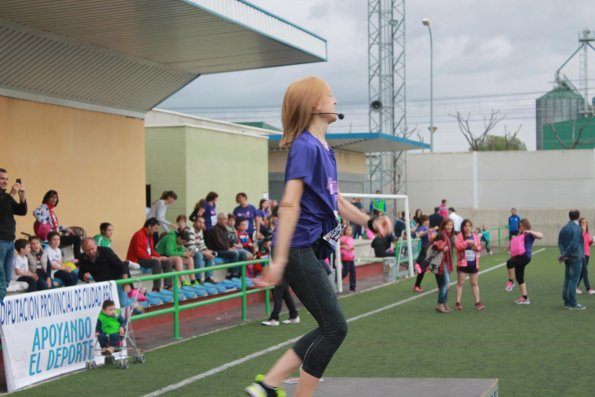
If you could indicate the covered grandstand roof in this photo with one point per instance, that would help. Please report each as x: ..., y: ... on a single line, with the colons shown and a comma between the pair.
x: 363, y: 142
x: 126, y: 56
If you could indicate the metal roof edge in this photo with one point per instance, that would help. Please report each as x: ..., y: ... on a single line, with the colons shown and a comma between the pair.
x: 216, y: 8
x: 203, y: 122
x: 377, y: 135
x: 366, y: 135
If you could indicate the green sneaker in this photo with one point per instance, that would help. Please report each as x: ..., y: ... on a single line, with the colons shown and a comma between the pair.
x: 186, y: 284
x: 259, y: 389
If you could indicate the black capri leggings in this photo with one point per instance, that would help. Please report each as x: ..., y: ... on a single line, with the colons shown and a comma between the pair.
x: 518, y: 263
x: 311, y: 285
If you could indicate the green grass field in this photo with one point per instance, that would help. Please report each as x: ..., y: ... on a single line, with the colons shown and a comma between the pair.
x: 535, y: 350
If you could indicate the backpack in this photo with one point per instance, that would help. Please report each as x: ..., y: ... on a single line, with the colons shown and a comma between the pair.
x: 517, y: 245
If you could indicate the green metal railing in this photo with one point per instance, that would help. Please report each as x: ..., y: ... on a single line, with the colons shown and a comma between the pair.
x: 176, y: 308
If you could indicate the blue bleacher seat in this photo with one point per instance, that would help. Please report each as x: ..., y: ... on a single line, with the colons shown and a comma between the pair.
x: 189, y: 292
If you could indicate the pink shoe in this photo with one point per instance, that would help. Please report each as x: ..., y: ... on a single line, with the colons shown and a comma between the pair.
x: 578, y: 291
x: 509, y: 286
x: 591, y: 291
x: 458, y: 306
x: 418, y: 289
x: 480, y: 306
x: 522, y: 301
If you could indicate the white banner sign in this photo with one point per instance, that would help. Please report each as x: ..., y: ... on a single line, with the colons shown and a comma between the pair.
x: 52, y: 332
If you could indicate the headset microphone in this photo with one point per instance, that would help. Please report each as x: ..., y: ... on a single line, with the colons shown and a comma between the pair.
x: 340, y: 116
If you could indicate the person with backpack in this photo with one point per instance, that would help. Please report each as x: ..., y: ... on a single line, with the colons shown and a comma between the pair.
x: 521, y: 249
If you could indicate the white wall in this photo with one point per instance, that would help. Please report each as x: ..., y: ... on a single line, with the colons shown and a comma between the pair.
x: 483, y: 186
x: 553, y: 179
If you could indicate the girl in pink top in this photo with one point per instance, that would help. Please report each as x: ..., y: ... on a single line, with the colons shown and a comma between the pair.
x: 348, y: 256
x: 468, y: 246
x: 588, y: 241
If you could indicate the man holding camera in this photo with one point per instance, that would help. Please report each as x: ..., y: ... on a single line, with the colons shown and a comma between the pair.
x: 8, y: 209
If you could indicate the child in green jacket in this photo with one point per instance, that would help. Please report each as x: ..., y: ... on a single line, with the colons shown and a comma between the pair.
x: 110, y: 328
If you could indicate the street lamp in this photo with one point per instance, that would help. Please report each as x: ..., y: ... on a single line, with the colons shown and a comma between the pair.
x: 426, y: 22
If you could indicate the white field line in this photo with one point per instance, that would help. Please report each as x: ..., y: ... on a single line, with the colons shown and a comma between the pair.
x: 281, y: 345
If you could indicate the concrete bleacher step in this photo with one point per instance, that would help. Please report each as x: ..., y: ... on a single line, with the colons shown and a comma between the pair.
x: 403, y: 387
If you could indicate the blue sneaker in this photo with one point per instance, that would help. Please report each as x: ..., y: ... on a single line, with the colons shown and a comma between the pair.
x: 259, y: 389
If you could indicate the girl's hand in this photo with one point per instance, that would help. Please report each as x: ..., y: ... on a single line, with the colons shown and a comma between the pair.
x: 383, y: 226
x: 270, y: 276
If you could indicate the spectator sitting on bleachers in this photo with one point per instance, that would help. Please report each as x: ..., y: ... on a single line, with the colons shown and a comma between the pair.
x: 172, y: 246
x: 60, y: 271
x: 264, y: 232
x: 200, y: 253
x: 102, y: 264
x: 247, y: 245
x: 104, y: 238
x: 217, y: 239
x: 39, y: 263
x: 46, y: 221
x: 243, y: 254
x: 142, y: 251
x: 21, y: 267
x: 244, y: 238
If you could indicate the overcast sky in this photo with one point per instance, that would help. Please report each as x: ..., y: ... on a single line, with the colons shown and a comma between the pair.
x: 499, y: 55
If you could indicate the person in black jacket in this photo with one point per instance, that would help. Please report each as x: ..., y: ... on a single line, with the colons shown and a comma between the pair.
x: 8, y: 209
x: 435, y: 218
x: 217, y: 240
x: 102, y: 264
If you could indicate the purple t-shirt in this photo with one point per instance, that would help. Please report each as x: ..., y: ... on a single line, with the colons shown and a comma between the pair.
x: 249, y: 213
x: 210, y: 215
x: 316, y: 166
x: 262, y: 213
x: 529, y: 240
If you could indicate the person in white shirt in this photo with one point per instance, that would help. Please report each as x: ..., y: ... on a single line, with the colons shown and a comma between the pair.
x: 456, y: 219
x: 59, y: 270
x: 159, y: 207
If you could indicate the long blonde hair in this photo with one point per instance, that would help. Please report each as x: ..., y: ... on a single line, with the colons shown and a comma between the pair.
x: 299, y: 102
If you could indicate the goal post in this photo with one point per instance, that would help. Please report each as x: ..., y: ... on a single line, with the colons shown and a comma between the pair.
x: 404, y: 199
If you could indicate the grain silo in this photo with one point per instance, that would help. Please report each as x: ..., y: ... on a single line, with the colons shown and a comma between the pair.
x: 560, y: 104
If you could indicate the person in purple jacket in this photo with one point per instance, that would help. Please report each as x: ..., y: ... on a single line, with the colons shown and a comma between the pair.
x: 308, y: 231
x: 246, y: 212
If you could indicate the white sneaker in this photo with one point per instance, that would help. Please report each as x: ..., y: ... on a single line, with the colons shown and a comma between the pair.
x: 292, y: 320
x: 578, y: 291
x: 271, y: 323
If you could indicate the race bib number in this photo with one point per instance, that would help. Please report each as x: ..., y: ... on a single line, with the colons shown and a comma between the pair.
x: 334, y: 235
x: 213, y: 220
x: 470, y: 255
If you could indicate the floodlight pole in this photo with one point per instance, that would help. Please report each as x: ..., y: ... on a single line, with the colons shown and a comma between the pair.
x: 426, y: 22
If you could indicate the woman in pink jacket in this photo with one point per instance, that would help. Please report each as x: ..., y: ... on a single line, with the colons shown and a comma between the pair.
x: 443, y: 242
x: 468, y: 246
x: 588, y: 241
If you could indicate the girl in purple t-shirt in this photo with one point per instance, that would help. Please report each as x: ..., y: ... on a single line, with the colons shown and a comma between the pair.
x: 308, y: 231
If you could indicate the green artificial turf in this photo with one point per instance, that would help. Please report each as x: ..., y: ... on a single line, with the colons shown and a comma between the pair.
x: 535, y: 350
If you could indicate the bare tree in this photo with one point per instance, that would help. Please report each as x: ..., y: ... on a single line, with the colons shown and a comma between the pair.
x: 510, y: 137
x: 575, y: 136
x: 475, y: 141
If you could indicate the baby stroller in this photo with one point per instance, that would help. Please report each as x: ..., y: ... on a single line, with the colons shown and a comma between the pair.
x: 127, y: 349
